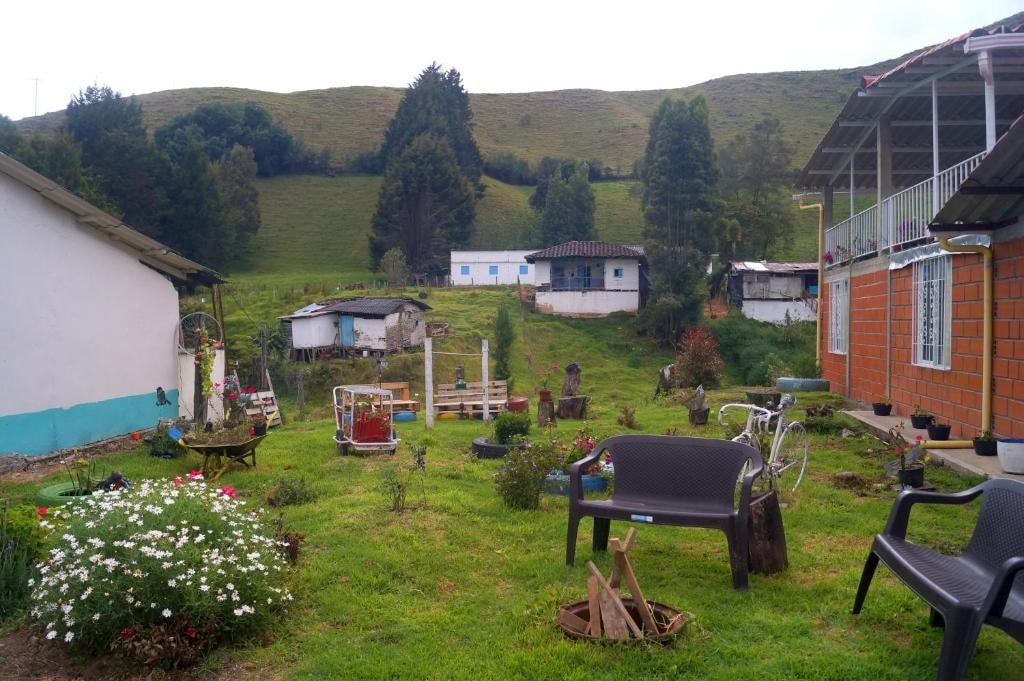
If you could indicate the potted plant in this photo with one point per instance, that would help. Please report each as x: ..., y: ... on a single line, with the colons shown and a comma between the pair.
x: 938, y: 431
x: 544, y: 393
x: 259, y: 425
x: 594, y: 480
x: 911, y: 473
x: 883, y: 407
x: 510, y: 431
x: 697, y: 405
x: 920, y: 418
x: 985, y: 444
x: 1011, y: 455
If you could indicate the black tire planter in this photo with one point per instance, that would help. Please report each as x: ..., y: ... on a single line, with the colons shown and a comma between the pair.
x: 58, y: 495
x: 938, y: 431
x: 912, y: 477
x: 921, y: 422
x: 881, y: 409
x: 986, y: 447
x: 485, y: 449
x: 790, y: 384
x: 762, y: 398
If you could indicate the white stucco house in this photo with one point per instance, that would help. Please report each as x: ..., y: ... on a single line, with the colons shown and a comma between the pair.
x: 589, y: 279
x: 490, y: 268
x: 89, y: 319
x: 345, y: 325
x: 768, y: 291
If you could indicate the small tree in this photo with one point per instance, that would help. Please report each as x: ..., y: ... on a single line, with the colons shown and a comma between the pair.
x: 504, y: 335
x: 698, y: 362
x: 393, y: 267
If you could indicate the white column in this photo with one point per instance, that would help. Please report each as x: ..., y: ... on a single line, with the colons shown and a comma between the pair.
x: 853, y: 183
x: 935, y: 149
x: 428, y: 378
x: 985, y: 67
x: 485, y: 379
x: 883, y: 174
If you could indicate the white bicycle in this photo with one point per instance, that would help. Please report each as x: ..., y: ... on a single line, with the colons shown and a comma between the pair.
x: 789, y: 446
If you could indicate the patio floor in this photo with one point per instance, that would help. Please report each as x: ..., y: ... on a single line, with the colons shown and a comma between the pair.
x: 960, y: 460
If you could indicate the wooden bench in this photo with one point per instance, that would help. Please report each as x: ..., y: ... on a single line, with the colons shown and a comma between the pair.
x: 470, y: 399
x: 402, y: 395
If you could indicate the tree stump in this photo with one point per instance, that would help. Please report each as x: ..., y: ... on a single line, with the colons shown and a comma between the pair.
x: 571, y: 384
x: 545, y: 412
x: 767, y: 550
x: 573, y: 407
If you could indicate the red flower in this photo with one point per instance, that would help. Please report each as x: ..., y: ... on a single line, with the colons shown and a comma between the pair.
x: 554, y: 367
x: 195, y: 475
x: 127, y: 632
x: 232, y: 396
x: 228, y: 492
x: 41, y: 511
x: 178, y: 480
x: 565, y: 448
x: 250, y: 390
x: 252, y: 431
x: 191, y: 632
x: 918, y: 438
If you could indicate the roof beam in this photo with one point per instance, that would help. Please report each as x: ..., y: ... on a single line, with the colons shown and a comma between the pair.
x: 870, y: 171
x: 923, y: 122
x: 948, y: 89
x: 902, y: 150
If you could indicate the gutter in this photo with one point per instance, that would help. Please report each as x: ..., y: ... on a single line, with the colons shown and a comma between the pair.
x: 821, y: 278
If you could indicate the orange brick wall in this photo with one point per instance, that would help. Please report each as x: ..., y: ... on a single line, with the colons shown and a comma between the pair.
x: 953, y: 395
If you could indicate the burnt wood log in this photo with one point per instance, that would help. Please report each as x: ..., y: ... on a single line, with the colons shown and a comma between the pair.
x: 573, y: 407
x: 767, y: 549
x: 571, y: 384
x: 545, y: 413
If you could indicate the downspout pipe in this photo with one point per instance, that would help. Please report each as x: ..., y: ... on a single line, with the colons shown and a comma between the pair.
x: 821, y: 277
x: 986, y: 343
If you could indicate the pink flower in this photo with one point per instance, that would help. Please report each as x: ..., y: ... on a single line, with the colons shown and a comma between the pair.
x: 228, y: 492
x: 178, y: 480
x: 554, y: 367
x: 195, y: 475
x: 41, y: 511
x: 918, y: 438
x: 565, y: 448
x: 191, y: 632
x: 232, y: 396
x: 252, y: 431
x: 127, y: 632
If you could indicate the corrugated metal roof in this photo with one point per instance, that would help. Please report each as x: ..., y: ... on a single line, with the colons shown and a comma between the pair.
x: 150, y: 251
x: 961, y: 114
x: 993, y: 195
x: 587, y: 249
x: 775, y: 267
x: 366, y: 306
x: 489, y: 256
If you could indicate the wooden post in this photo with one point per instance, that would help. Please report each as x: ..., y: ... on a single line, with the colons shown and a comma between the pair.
x: 767, y: 548
x: 545, y: 413
x: 428, y: 378
x: 485, y: 379
x: 300, y: 395
x: 263, y: 357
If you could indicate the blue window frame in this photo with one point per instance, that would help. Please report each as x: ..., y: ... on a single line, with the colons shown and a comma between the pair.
x: 464, y: 270
x: 619, y: 272
x: 524, y: 269
x: 493, y: 270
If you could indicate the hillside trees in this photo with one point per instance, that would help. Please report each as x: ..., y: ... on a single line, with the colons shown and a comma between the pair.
x: 427, y: 200
x: 756, y: 176
x: 236, y: 178
x: 568, y: 213
x: 681, y: 207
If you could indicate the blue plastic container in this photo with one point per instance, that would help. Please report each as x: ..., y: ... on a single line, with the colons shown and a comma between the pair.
x: 405, y: 416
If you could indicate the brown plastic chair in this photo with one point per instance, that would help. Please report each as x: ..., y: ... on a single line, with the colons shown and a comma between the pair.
x: 663, y: 480
x: 983, y: 585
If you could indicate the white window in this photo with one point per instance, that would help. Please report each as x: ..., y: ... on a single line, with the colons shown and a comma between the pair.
x: 933, y: 279
x: 839, y: 316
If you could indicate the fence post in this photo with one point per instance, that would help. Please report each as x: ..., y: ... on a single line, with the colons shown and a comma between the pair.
x: 428, y: 378
x: 485, y: 379
x: 300, y: 395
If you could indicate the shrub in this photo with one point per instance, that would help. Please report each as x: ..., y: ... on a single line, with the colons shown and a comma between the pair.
x: 394, y: 487
x: 521, y: 478
x: 698, y: 362
x: 162, y: 572
x: 511, y: 426
x: 20, y: 545
x: 291, y: 490
x: 627, y: 418
x: 746, y: 343
x: 504, y: 335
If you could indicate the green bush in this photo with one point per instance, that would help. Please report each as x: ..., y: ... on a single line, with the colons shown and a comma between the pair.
x: 511, y: 426
x: 290, y: 490
x: 21, y: 544
x: 521, y: 479
x: 748, y: 347
x: 162, y: 572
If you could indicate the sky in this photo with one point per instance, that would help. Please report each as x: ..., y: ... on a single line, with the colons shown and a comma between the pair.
x: 144, y: 46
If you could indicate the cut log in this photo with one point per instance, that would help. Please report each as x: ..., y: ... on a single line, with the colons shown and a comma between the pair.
x: 571, y: 384
x: 573, y: 407
x: 767, y: 550
x: 594, y: 605
x: 545, y: 413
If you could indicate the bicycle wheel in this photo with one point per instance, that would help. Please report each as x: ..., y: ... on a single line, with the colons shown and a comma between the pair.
x: 793, y: 450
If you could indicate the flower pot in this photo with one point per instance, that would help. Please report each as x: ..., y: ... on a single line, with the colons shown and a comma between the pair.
x: 985, y: 447
x: 912, y: 477
x: 700, y: 416
x: 938, y: 431
x: 881, y: 409
x: 259, y: 429
x: 558, y: 484
x: 1011, y: 455
x: 58, y: 495
x: 921, y: 422
x: 519, y: 404
x: 544, y: 395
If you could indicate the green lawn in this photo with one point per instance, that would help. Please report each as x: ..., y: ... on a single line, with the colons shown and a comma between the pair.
x: 460, y: 587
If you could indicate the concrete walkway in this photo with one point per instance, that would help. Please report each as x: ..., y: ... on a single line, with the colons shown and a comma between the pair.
x: 960, y: 460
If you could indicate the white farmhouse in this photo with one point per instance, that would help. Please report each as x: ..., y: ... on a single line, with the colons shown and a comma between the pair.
x: 589, y: 279
x: 88, y: 332
x: 346, y: 325
x: 769, y: 291
x: 490, y: 268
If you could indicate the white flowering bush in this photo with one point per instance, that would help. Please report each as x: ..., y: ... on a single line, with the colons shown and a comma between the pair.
x: 161, y: 572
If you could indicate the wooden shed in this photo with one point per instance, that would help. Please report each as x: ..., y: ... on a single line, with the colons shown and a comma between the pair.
x: 340, y: 326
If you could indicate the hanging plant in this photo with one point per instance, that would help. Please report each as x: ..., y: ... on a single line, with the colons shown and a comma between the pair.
x: 205, y: 356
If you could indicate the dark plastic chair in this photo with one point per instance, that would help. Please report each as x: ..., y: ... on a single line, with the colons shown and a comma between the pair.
x: 983, y: 585
x: 688, y: 481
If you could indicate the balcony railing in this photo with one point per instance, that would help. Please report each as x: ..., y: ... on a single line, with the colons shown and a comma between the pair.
x: 577, y: 284
x: 904, y: 218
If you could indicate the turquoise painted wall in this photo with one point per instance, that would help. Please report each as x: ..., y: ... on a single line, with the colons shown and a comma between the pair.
x: 51, y: 429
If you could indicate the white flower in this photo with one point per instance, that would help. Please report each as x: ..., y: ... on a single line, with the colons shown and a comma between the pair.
x: 166, y: 612
x: 68, y: 636
x: 52, y: 634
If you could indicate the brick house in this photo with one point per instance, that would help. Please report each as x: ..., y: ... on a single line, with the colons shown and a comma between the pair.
x: 938, y: 142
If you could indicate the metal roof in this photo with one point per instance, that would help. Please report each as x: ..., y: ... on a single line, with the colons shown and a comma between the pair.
x: 902, y: 96
x: 367, y: 306
x: 773, y: 267
x: 149, y: 251
x: 489, y: 256
x: 587, y: 249
x: 993, y: 195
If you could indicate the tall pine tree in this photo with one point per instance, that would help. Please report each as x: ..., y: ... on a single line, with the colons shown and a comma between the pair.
x: 568, y: 208
x: 681, y: 207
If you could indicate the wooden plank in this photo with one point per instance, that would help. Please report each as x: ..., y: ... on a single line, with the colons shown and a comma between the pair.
x: 639, y: 600
x: 617, y: 602
x: 594, y: 604
x: 615, y: 623
x: 573, y: 622
x: 624, y: 546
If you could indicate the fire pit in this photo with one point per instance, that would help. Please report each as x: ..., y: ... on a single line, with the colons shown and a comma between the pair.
x: 574, y: 620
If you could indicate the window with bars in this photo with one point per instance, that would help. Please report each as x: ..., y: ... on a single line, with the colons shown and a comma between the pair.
x: 933, y: 311
x: 839, y: 316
